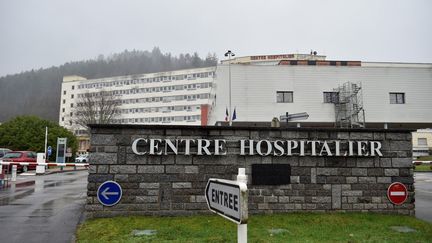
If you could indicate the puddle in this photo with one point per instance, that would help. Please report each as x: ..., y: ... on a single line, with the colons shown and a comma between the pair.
x: 146, y: 232
x: 24, y: 184
x: 8, y: 200
x: 402, y: 229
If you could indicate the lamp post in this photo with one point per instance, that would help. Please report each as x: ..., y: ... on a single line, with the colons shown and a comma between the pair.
x: 229, y: 54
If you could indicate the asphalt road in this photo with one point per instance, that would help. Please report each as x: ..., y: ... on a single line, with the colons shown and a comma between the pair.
x: 423, y: 196
x: 46, y: 210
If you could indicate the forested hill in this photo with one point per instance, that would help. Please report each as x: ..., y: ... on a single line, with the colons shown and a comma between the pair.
x: 37, y: 92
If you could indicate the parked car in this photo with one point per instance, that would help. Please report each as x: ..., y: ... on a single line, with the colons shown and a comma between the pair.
x: 3, y: 151
x: 81, y: 159
x: 22, y: 156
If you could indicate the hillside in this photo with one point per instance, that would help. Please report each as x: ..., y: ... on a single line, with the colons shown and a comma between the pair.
x: 37, y: 92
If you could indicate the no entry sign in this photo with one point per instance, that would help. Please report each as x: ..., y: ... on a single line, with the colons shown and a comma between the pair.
x: 397, y: 193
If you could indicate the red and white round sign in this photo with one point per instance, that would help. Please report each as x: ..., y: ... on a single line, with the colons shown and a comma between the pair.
x: 397, y: 193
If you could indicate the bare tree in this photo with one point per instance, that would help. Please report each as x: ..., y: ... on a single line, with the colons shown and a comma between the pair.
x: 96, y: 108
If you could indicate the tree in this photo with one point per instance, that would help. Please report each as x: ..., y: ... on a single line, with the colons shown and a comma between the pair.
x: 28, y: 133
x: 40, y: 90
x: 96, y: 108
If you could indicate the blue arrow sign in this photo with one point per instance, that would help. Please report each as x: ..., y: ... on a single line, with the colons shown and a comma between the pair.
x: 109, y: 193
x: 49, y: 150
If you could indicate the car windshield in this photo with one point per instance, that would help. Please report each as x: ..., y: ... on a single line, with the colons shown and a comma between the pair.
x: 12, y: 155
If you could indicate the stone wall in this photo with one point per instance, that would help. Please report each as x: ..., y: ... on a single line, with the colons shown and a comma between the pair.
x: 174, y: 184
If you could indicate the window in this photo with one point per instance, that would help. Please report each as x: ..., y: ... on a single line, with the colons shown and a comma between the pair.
x: 63, y: 110
x: 73, y: 87
x: 422, y: 142
x: 397, y: 98
x: 284, y: 97
x: 64, y: 101
x: 64, y: 92
x: 71, y: 104
x: 331, y: 97
x: 72, y: 96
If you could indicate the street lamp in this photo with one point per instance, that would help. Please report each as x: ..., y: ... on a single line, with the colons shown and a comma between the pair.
x: 229, y: 54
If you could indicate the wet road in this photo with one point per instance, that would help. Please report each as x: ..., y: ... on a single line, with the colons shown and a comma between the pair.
x: 47, y: 210
x: 423, y: 196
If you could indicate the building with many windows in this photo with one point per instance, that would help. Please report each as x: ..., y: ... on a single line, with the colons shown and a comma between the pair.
x: 179, y: 97
x: 332, y: 93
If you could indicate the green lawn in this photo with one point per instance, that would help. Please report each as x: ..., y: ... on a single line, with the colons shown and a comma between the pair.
x: 423, y: 167
x: 295, y: 227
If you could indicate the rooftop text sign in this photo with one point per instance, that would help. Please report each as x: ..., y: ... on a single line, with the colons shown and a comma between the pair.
x: 144, y: 146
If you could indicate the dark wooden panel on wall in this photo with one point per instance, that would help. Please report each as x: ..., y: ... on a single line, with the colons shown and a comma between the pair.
x: 271, y: 174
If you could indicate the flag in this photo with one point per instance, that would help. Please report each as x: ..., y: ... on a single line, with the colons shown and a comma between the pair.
x: 226, y: 114
x: 234, y: 115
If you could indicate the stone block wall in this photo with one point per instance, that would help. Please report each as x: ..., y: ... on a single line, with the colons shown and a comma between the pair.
x: 174, y: 184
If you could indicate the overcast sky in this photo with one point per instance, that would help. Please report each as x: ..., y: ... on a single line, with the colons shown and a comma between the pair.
x: 43, y: 33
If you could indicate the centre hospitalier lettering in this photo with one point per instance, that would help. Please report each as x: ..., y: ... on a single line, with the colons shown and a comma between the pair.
x: 154, y: 146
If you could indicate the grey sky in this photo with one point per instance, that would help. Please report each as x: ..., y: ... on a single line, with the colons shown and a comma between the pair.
x: 42, y: 33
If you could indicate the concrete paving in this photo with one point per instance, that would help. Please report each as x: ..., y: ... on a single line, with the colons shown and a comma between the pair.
x: 423, y: 195
x: 43, y: 208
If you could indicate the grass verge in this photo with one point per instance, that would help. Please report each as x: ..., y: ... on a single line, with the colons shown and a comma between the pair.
x: 294, y: 227
x: 423, y: 167
x: 424, y: 158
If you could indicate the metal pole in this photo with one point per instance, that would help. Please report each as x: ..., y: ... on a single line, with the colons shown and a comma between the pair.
x: 229, y: 71
x: 242, y: 228
x: 46, y: 141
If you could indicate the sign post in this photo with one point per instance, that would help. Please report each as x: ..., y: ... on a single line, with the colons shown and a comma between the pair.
x: 397, y: 193
x: 294, y: 117
x: 49, y: 151
x: 229, y: 200
x: 109, y: 193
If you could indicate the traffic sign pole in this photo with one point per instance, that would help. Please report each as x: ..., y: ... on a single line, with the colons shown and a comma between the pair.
x: 229, y: 199
x: 242, y: 228
x: 46, y: 141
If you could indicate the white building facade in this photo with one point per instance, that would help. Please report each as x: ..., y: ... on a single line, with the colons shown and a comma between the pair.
x: 178, y: 97
x: 394, y: 95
